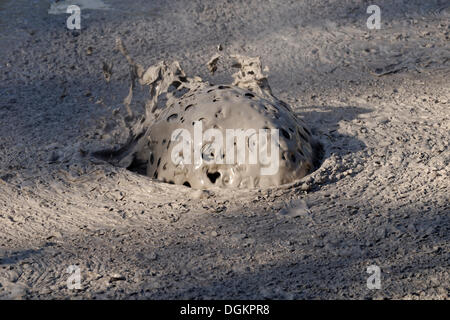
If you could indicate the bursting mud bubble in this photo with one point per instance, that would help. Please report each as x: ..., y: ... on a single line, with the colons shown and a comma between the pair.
x: 246, y: 106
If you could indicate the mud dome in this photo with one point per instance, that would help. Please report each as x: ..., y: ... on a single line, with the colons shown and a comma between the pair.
x: 177, y: 102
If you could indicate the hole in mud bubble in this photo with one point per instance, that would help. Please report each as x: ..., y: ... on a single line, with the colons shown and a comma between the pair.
x: 208, y: 157
x: 302, y: 135
x: 152, y: 159
x: 200, y: 119
x: 307, y: 131
x: 187, y: 184
x: 188, y: 107
x: 293, y: 159
x: 174, y: 86
x: 223, y: 87
x: 285, y: 134
x: 250, y: 95
x: 172, y: 117
x: 181, y: 92
x: 213, y: 176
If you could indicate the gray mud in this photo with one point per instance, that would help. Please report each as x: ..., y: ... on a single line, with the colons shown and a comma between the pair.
x: 378, y: 100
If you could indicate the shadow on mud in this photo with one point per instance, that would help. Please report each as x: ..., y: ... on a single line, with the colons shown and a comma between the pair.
x: 324, y: 122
